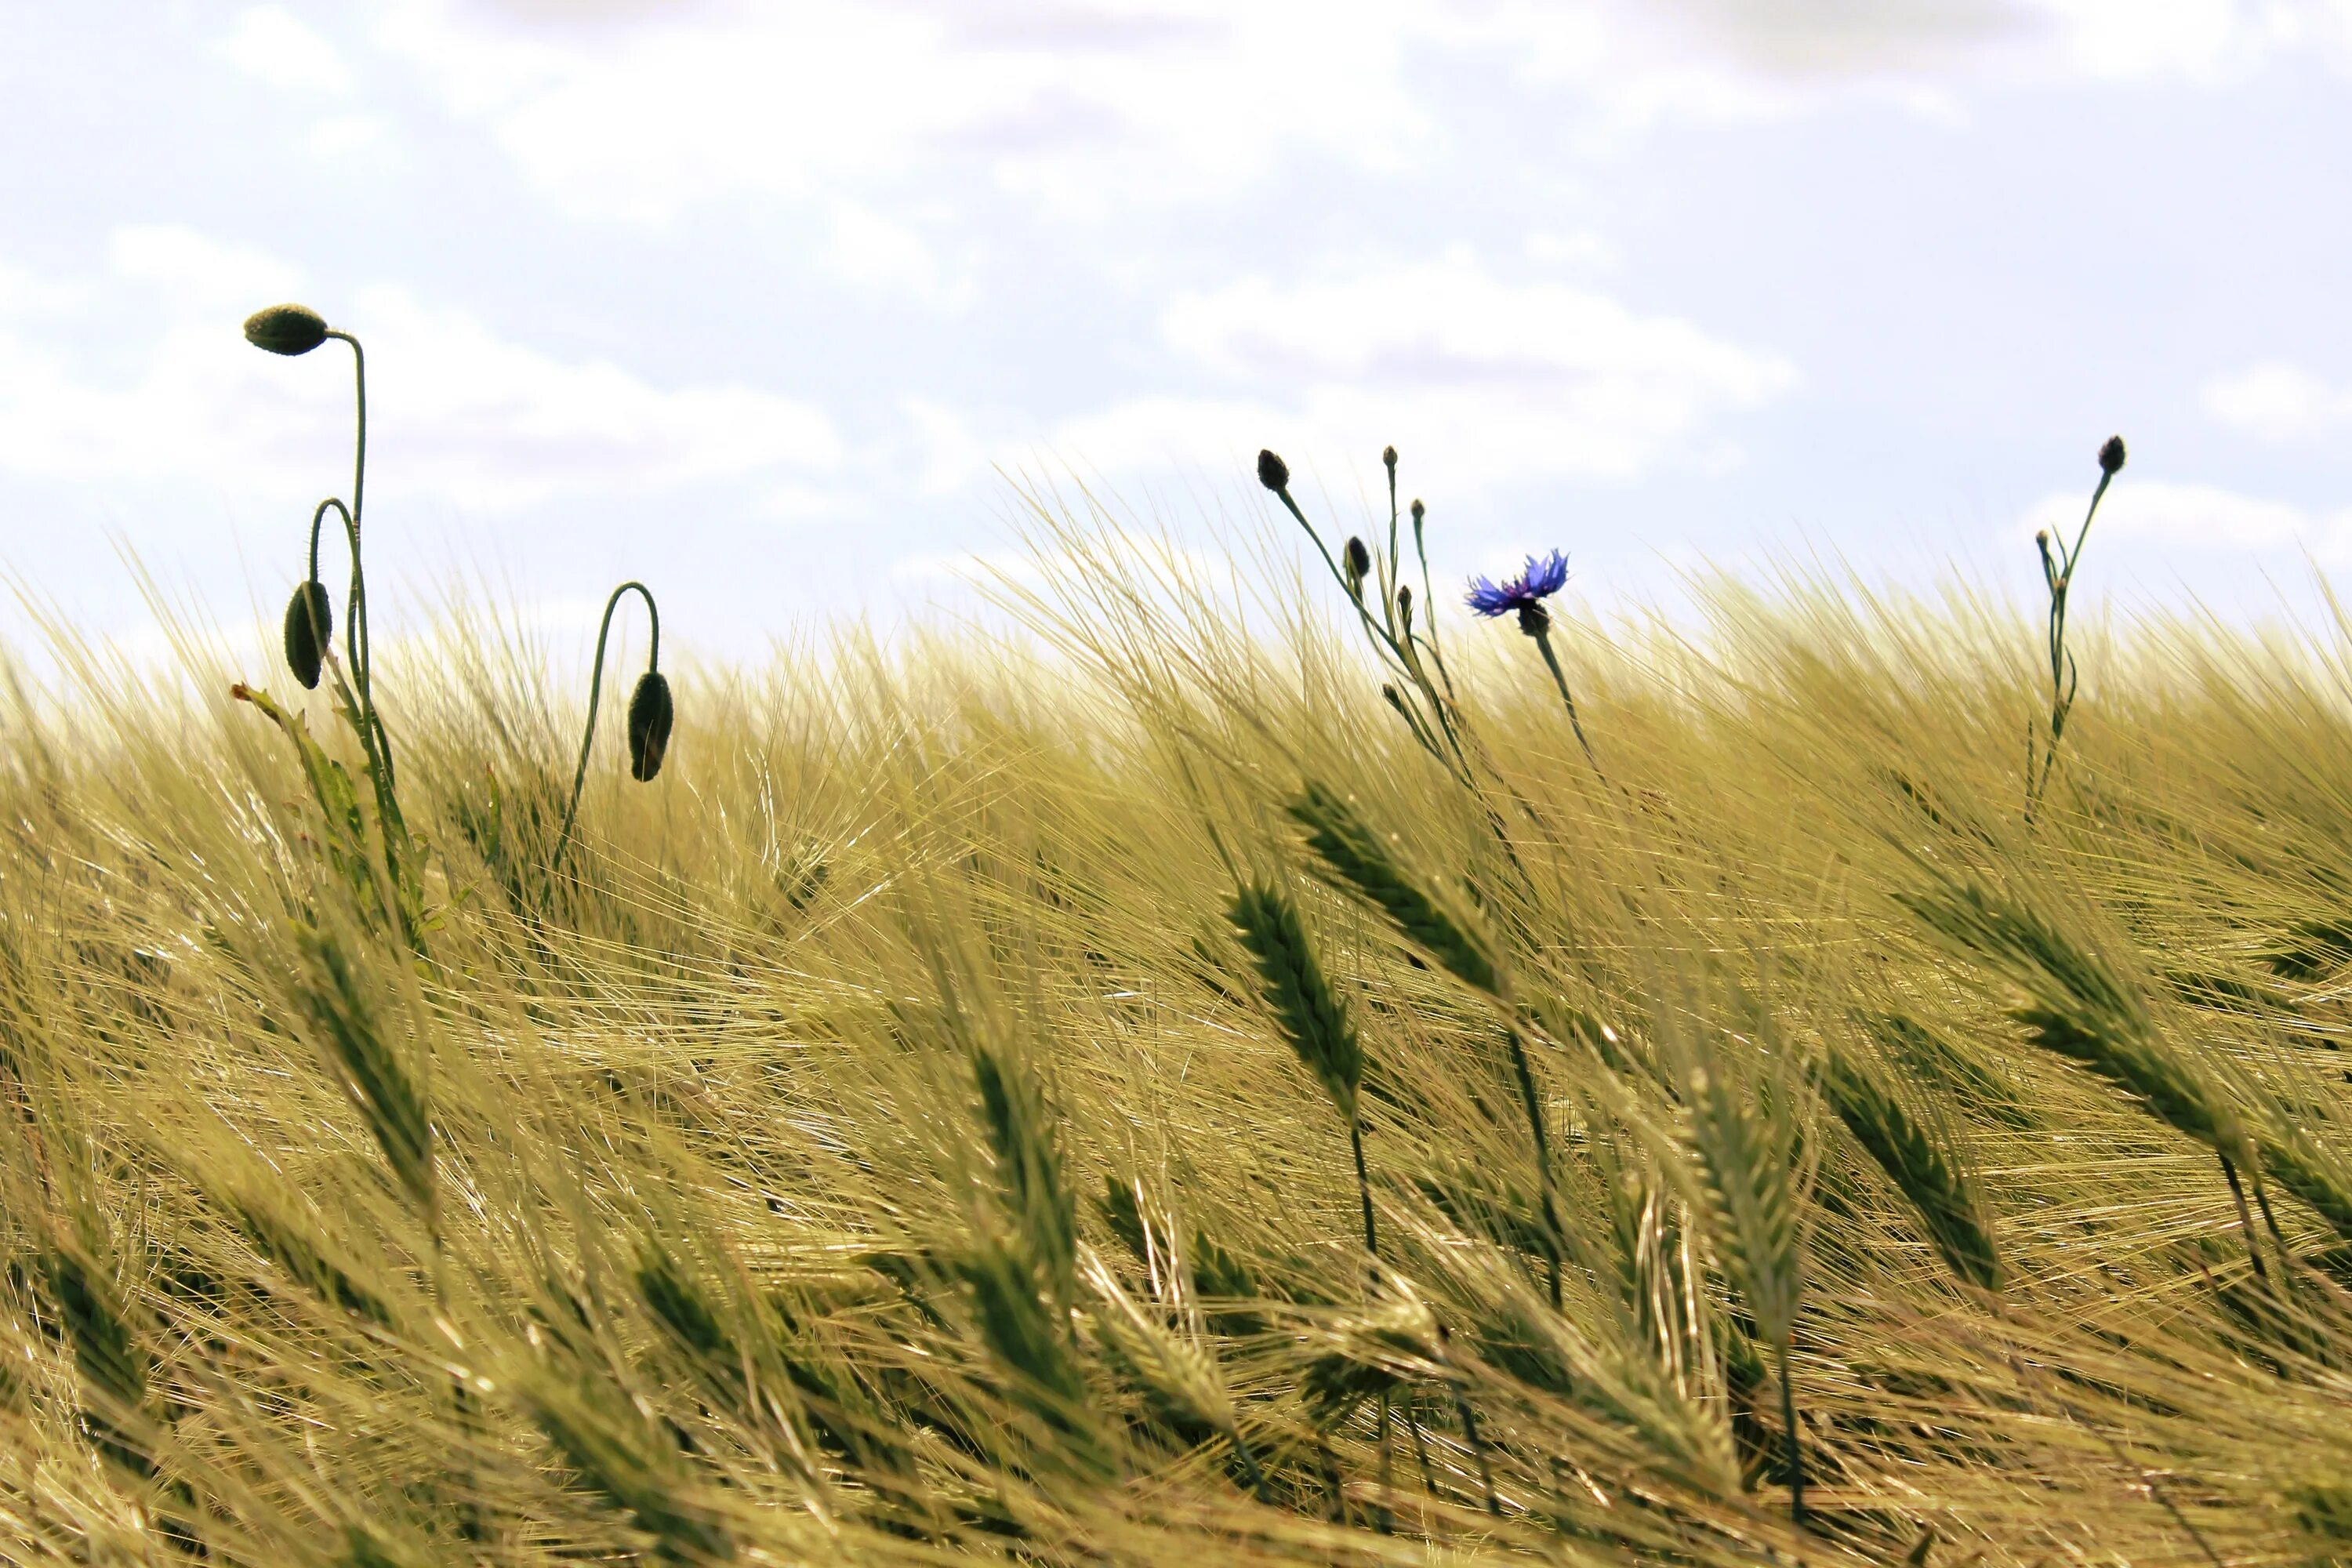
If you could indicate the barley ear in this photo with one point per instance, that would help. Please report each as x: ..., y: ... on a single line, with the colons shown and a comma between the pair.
x: 345, y: 1022
x: 109, y: 1360
x: 1304, y: 1006
x: 1935, y: 1183
x: 633, y: 1469
x: 1356, y: 856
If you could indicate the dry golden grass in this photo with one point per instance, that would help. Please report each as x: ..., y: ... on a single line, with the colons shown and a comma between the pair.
x: 877, y: 1145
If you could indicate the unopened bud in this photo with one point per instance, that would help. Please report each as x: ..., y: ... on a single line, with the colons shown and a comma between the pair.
x: 1273, y: 472
x: 2111, y: 456
x: 1419, y: 511
x: 310, y: 626
x: 1388, y: 457
x: 1404, y: 604
x: 286, y: 329
x: 650, y: 713
x: 1360, y: 564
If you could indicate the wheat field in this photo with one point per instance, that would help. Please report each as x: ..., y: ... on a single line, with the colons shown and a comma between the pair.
x: 943, y: 1115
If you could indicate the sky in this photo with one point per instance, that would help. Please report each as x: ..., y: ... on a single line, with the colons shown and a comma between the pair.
x: 772, y: 306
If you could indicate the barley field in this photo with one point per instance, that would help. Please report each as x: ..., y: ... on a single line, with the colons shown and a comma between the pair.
x: 1119, y: 1087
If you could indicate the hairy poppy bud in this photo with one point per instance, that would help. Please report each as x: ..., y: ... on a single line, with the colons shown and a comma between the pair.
x: 1273, y: 472
x: 649, y: 717
x: 2111, y: 456
x: 1360, y: 564
x: 286, y: 329
x: 310, y: 626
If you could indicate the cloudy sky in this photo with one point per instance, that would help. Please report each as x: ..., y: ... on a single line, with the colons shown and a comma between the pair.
x: 760, y: 302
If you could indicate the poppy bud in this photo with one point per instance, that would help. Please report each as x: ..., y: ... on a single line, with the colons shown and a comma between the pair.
x: 310, y: 626
x: 1273, y: 472
x: 1404, y: 604
x: 1360, y: 564
x: 649, y: 717
x: 1388, y: 457
x: 1419, y: 512
x: 286, y: 329
x: 2111, y: 456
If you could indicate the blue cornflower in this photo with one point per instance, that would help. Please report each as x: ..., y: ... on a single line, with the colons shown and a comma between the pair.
x: 1545, y: 576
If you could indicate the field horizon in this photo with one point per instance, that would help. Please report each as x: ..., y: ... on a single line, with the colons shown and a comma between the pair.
x: 1121, y: 1087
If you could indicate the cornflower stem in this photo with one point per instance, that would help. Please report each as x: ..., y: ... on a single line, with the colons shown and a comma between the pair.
x: 1559, y: 678
x: 596, y: 690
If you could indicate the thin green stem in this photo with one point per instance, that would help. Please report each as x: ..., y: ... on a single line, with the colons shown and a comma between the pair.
x: 596, y: 692
x: 1796, y: 1446
x: 1533, y: 1101
x: 1552, y: 662
x: 1363, y: 1185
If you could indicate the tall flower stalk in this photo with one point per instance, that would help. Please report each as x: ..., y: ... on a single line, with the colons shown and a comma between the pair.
x: 2058, y: 574
x: 293, y: 331
x: 650, y: 713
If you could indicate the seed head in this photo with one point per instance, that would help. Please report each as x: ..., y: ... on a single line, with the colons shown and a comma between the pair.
x: 650, y: 711
x: 286, y: 329
x: 1273, y: 472
x: 2111, y: 456
x: 310, y: 626
x: 1360, y: 564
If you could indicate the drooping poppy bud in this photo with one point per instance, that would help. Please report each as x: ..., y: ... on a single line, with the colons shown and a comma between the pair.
x: 2111, y: 456
x: 310, y: 627
x: 1273, y: 472
x: 650, y: 713
x: 286, y: 329
x: 1360, y: 564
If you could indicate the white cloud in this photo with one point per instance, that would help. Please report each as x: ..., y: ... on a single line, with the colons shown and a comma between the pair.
x: 457, y: 413
x: 877, y: 254
x: 272, y: 44
x: 2279, y: 403
x: 2198, y: 518
x: 1488, y: 382
x: 1097, y: 107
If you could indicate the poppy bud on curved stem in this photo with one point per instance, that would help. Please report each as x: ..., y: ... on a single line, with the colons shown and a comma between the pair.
x: 650, y: 711
x: 310, y: 626
x: 1360, y: 564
